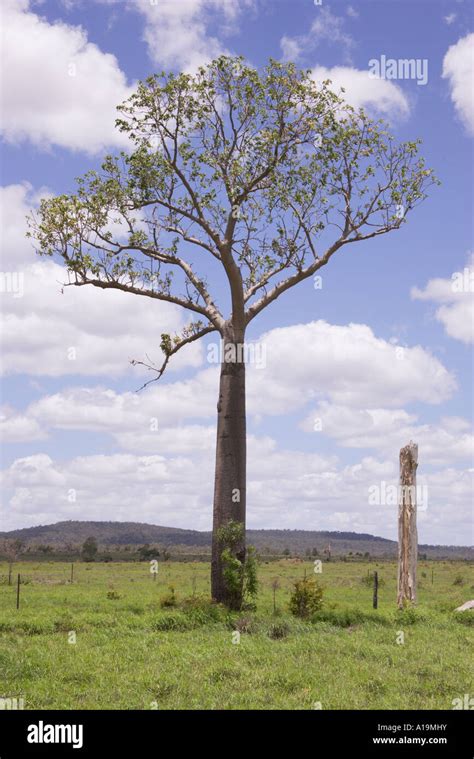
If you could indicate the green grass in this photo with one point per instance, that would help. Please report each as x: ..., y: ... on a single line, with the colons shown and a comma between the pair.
x: 130, y: 653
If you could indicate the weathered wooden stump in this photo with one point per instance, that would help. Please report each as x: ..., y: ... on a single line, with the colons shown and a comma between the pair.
x: 407, y: 532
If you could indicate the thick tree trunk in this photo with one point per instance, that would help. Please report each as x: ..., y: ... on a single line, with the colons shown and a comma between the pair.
x: 407, y: 532
x: 231, y: 455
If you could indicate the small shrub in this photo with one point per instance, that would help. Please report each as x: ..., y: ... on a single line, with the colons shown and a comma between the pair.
x: 245, y: 625
x: 307, y: 598
x: 202, y: 611
x: 458, y: 580
x: 112, y: 595
x: 170, y: 600
x: 279, y: 630
x: 409, y: 616
x: 233, y: 576
x: 240, y: 577
x: 177, y: 621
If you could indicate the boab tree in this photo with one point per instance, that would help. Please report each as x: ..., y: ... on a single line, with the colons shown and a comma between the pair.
x: 264, y: 174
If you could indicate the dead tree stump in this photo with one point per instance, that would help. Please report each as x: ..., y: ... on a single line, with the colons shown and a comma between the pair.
x: 407, y: 532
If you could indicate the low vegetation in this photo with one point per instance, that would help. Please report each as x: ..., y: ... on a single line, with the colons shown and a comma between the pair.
x: 145, y: 643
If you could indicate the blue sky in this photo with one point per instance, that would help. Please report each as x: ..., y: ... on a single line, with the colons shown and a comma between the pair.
x: 380, y: 354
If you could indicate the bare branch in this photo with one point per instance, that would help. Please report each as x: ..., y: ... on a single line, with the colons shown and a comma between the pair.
x: 177, y: 347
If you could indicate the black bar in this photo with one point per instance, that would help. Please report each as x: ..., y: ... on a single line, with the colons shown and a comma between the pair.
x: 345, y: 733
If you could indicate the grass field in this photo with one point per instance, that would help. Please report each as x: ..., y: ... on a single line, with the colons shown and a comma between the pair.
x: 132, y: 654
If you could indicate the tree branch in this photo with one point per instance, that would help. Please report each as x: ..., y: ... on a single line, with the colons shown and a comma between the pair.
x: 171, y: 352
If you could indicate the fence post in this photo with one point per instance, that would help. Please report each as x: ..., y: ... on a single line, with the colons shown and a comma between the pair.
x: 18, y: 593
x: 376, y: 590
x: 72, y: 573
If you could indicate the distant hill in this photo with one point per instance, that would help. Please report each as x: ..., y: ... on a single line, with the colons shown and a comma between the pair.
x: 110, y: 534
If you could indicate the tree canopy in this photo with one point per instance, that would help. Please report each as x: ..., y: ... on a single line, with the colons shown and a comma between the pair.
x: 268, y: 173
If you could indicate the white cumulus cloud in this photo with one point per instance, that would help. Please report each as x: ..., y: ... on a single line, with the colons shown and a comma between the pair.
x: 458, y: 68
x: 387, y: 430
x: 178, y: 33
x: 326, y: 27
x: 347, y: 364
x: 378, y: 96
x: 57, y: 87
x: 456, y: 298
